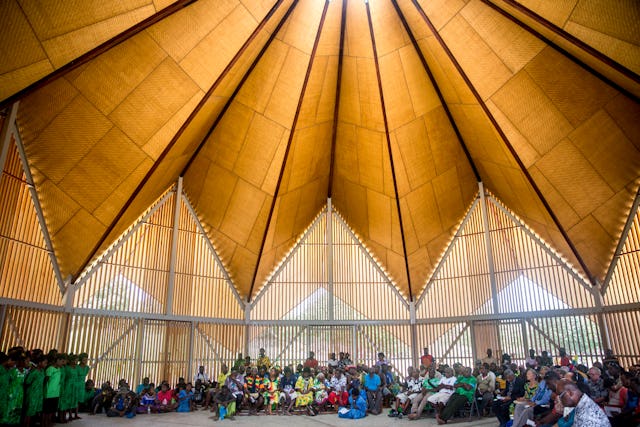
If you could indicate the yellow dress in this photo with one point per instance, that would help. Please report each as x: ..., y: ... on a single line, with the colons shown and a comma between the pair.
x: 303, y: 386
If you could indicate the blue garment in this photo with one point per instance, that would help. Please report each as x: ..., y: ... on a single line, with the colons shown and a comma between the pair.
x: 185, y: 401
x: 372, y: 383
x: 286, y: 383
x: 543, y: 394
x: 358, y: 408
x: 567, y: 422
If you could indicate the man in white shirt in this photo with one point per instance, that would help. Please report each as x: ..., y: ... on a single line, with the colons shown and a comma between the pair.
x: 200, y: 375
x: 445, y: 390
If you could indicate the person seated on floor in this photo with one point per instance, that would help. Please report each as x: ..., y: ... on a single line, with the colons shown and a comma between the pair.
x: 199, y: 391
x: 514, y: 389
x: 147, y: 401
x: 86, y: 397
x: 103, y: 399
x: 165, y: 399
x: 486, y: 388
x: 372, y: 385
x: 465, y: 390
x: 358, y: 406
x: 253, y: 398
x: 185, y: 398
x: 430, y: 385
x: 224, y: 404
x: 444, y: 390
x: 124, y: 403
x: 412, y: 390
x: 141, y: 388
x: 321, y: 395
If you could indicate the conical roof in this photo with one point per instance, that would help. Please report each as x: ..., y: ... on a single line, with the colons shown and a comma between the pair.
x: 394, y: 109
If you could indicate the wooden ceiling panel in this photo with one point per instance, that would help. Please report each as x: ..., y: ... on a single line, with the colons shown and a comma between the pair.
x: 39, y: 108
x: 594, y: 245
x: 388, y: 30
x: 270, y: 183
x: 19, y: 67
x: 573, y: 176
x: 104, y: 167
x: 157, y: 143
x: 111, y: 77
x: 65, y: 48
x: 441, y: 11
x: 608, y: 150
x: 423, y: 208
x: 397, y: 100
x: 207, y: 60
x: 501, y: 35
x: 626, y: 113
x: 484, y: 68
x: 284, y: 98
x: 423, y: 95
x: 242, y: 211
x: 574, y: 91
x: 201, y: 18
x: 218, y: 187
x: 556, y: 11
x: 67, y: 139
x: 153, y: 102
x: 371, y: 149
x: 565, y: 212
x: 532, y: 113
x: 118, y: 197
x: 57, y: 206
x: 527, y: 153
x: 301, y: 29
x: 71, y: 245
x: 263, y: 138
x: 309, y: 156
x: 357, y: 39
x: 416, y: 154
x: 379, y: 209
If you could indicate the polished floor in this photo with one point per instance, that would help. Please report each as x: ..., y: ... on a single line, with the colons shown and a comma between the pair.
x: 204, y: 418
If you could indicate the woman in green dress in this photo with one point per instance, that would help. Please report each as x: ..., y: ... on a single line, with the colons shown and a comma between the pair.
x: 63, y: 405
x: 34, y: 385
x: 82, y: 370
x: 68, y: 395
x: 15, y: 399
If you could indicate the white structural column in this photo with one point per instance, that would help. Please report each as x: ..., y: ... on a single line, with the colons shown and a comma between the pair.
x: 329, y: 239
x: 174, y: 249
x: 414, y: 333
x: 38, y: 208
x: 487, y: 236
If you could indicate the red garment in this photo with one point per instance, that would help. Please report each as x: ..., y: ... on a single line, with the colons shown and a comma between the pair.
x: 341, y: 398
x: 164, y: 397
x: 311, y: 363
x: 426, y: 360
x: 565, y: 361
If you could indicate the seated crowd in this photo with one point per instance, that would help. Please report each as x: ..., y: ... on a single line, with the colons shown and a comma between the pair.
x: 537, y: 393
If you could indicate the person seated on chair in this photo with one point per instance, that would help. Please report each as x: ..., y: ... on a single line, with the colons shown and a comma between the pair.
x: 539, y: 403
x: 253, y: 392
x: 514, y: 389
x: 486, y: 388
x: 287, y: 389
x: 409, y: 395
x: 444, y: 390
x: 305, y: 391
x: 372, y: 385
x: 465, y: 390
x: 338, y: 389
x: 429, y: 387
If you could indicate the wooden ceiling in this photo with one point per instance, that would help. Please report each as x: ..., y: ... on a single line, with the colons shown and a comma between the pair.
x: 393, y: 108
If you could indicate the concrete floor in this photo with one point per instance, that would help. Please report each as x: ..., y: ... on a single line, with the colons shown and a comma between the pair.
x: 204, y: 418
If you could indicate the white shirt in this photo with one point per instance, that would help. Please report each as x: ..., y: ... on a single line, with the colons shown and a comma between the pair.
x: 448, y: 381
